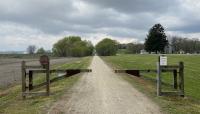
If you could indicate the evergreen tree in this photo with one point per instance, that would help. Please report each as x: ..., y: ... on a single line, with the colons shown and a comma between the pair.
x: 156, y: 40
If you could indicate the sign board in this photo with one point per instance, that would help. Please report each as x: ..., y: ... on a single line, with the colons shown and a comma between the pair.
x: 44, y: 60
x: 163, y: 61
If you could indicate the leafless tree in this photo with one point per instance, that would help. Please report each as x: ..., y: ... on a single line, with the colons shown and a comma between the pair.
x: 188, y: 45
x: 31, y: 49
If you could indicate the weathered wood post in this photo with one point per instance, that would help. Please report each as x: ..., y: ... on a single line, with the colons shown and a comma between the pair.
x: 48, y: 79
x: 44, y: 61
x: 162, y: 61
x: 158, y: 79
x: 175, y: 79
x: 30, y: 80
x: 23, y: 71
x: 181, y: 80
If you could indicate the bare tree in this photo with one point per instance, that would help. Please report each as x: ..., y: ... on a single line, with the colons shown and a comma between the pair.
x: 31, y: 49
x: 187, y: 45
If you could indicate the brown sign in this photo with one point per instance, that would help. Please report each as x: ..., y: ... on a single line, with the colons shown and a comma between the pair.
x: 44, y: 60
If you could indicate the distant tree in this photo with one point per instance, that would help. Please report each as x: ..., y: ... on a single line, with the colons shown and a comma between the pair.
x: 107, y: 47
x: 82, y: 48
x: 72, y: 46
x: 134, y: 47
x: 41, y: 51
x: 185, y: 44
x: 156, y: 40
x: 31, y: 49
x: 63, y: 47
x: 122, y: 46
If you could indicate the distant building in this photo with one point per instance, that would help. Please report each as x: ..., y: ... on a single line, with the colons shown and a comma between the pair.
x: 181, y: 52
x: 143, y: 51
x: 168, y: 49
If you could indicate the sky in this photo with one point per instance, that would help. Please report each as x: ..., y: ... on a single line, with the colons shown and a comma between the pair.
x: 44, y: 22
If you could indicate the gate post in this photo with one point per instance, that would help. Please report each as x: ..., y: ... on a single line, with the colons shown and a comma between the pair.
x: 23, y: 71
x: 158, y: 79
x: 30, y: 80
x: 175, y: 79
x: 47, y: 79
x: 181, y: 75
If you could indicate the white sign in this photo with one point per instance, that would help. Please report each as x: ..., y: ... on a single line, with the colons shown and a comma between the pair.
x: 163, y: 60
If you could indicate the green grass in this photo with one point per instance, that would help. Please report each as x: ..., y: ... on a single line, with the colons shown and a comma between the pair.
x: 11, y: 101
x: 147, y: 83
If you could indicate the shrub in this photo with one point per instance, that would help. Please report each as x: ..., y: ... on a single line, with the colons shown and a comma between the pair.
x: 72, y: 46
x: 107, y: 47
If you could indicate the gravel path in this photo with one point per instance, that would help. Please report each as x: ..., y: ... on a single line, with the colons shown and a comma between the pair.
x: 103, y: 92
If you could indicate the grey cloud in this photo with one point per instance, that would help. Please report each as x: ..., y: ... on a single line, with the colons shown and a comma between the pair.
x: 54, y: 17
x: 117, y: 18
x: 132, y: 6
x: 36, y: 13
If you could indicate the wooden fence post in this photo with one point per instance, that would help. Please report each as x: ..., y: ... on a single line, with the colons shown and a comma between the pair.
x: 175, y: 79
x: 158, y: 79
x: 181, y: 81
x: 30, y: 80
x: 47, y: 79
x: 23, y: 71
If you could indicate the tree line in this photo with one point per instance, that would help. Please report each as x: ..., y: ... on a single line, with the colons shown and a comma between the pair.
x: 156, y: 41
x: 184, y: 45
x: 74, y: 46
x: 71, y: 46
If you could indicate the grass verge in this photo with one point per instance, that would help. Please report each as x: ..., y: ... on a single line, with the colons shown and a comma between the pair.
x: 11, y: 101
x: 147, y: 83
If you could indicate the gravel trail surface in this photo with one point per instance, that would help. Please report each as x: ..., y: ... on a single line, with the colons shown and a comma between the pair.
x: 103, y: 92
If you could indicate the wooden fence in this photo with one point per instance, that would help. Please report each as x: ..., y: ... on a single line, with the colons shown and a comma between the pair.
x: 178, y: 75
x: 177, y: 70
x: 29, y: 71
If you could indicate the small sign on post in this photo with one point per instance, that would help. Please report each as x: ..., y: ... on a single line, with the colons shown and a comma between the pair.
x: 163, y: 60
x: 44, y: 61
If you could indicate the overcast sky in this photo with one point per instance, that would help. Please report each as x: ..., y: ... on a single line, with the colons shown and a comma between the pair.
x: 43, y: 22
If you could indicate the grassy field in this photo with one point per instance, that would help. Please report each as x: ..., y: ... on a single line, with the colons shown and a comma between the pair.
x: 11, y: 101
x: 147, y: 83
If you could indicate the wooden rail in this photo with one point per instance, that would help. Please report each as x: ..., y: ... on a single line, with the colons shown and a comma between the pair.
x: 136, y: 72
